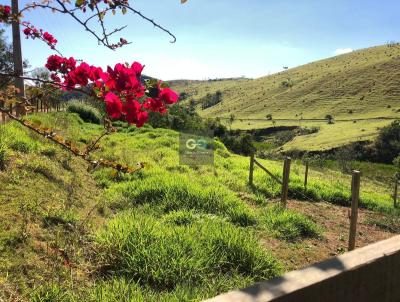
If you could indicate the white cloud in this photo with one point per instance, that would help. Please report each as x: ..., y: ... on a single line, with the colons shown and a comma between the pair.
x: 171, y: 67
x: 341, y: 51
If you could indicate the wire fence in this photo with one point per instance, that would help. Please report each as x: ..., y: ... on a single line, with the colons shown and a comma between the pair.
x: 305, y: 179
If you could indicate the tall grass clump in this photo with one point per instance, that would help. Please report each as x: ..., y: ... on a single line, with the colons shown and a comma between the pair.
x: 87, y: 113
x: 3, y: 156
x: 289, y: 225
x: 17, y: 139
x: 164, y: 255
x: 176, y: 192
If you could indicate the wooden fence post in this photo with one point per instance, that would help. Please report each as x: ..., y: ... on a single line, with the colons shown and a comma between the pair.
x: 355, y: 194
x: 306, y: 177
x: 396, y: 182
x: 285, y: 181
x: 251, y: 169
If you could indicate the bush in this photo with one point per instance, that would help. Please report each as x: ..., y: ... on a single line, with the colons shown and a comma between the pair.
x: 329, y: 118
x: 240, y: 144
x: 87, y: 113
x: 387, y: 145
x: 145, y: 249
x: 345, y: 157
x: 289, y: 225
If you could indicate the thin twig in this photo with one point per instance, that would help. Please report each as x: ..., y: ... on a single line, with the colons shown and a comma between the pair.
x: 45, y: 82
x: 151, y: 21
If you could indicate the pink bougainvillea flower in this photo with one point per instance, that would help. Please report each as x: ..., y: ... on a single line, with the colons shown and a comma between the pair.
x: 168, y: 96
x: 49, y: 39
x: 80, y: 75
x: 7, y: 9
x: 54, y: 63
x: 137, y: 68
x: 155, y: 105
x: 27, y: 31
x: 134, y: 113
x: 113, y: 105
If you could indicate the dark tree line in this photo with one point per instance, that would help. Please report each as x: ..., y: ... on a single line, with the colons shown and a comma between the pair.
x: 211, y: 100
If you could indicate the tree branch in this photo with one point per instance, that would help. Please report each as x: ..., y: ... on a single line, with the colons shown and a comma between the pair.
x: 52, y: 136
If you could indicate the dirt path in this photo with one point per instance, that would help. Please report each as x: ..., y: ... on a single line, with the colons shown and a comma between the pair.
x: 335, y: 223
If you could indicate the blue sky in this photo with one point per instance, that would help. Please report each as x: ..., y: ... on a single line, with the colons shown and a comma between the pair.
x: 226, y: 38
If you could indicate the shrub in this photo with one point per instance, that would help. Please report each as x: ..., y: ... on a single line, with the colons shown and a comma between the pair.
x: 345, y: 157
x: 329, y: 118
x: 87, y: 113
x: 161, y: 255
x: 289, y: 225
x: 240, y: 144
x: 387, y: 145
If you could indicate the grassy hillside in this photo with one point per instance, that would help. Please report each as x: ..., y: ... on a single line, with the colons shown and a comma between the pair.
x: 167, y: 233
x: 359, y: 85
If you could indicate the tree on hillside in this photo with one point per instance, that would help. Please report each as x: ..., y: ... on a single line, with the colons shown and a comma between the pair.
x: 231, y: 119
x: 218, y: 96
x: 329, y: 118
x: 387, y: 144
x: 211, y: 100
x: 288, y: 83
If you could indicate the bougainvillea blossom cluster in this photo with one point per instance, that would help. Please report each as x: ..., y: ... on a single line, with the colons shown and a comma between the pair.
x: 125, y: 95
x: 31, y: 31
x: 6, y: 15
x: 5, y: 10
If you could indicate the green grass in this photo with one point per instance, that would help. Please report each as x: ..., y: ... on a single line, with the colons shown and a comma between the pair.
x: 348, y: 87
x: 167, y: 233
x: 174, y: 192
x: 289, y: 225
x: 164, y: 255
x: 85, y: 111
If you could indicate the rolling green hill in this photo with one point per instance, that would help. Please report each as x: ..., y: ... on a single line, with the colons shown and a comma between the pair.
x: 361, y: 90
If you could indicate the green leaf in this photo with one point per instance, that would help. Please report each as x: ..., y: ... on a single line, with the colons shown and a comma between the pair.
x: 124, y: 10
